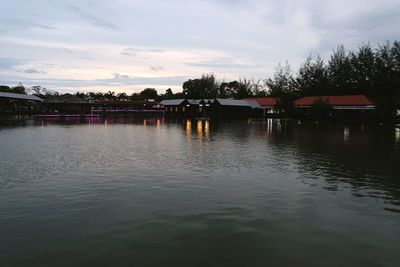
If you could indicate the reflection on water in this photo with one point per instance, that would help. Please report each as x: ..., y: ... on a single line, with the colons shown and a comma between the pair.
x: 149, y: 192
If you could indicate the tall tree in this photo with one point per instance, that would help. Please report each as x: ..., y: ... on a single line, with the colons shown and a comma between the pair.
x: 341, y: 80
x: 312, y: 78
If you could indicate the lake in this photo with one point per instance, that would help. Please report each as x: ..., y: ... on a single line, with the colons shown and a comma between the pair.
x: 130, y: 192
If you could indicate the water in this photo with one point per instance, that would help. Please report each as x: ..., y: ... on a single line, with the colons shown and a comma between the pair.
x: 152, y: 193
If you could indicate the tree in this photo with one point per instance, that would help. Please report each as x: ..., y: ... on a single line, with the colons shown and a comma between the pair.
x: 122, y: 96
x: 364, y: 70
x: 205, y: 87
x: 313, y: 77
x: 340, y: 72
x: 19, y: 89
x: 282, y: 86
x: 148, y: 93
x: 38, y: 90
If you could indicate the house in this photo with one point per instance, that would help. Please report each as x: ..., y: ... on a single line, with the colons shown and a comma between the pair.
x: 268, y: 104
x: 175, y: 107
x: 345, y: 106
x: 67, y: 104
x: 19, y: 104
x: 231, y: 109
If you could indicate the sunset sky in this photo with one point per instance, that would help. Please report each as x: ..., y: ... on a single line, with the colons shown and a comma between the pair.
x: 121, y: 45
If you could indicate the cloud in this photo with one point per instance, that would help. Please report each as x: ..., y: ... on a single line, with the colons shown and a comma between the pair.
x: 9, y: 23
x: 135, y: 51
x: 117, y: 80
x: 140, y: 39
x: 34, y: 71
x: 156, y: 68
x: 94, y: 20
x: 9, y: 63
x: 219, y: 63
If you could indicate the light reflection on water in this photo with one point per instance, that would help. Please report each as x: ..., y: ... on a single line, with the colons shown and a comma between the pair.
x: 149, y: 192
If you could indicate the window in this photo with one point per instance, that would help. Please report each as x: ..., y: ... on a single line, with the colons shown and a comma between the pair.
x: 183, y: 109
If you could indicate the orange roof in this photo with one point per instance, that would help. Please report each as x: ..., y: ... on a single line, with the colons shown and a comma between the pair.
x: 336, y: 100
x: 263, y: 101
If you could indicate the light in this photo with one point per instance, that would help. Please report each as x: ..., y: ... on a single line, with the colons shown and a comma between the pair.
x: 200, y: 105
x: 188, y: 105
x: 346, y: 133
x: 207, y: 105
x: 397, y: 135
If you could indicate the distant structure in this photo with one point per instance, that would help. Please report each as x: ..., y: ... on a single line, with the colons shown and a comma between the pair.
x: 268, y: 105
x: 211, y: 108
x: 19, y: 104
x: 67, y: 104
x: 343, y: 106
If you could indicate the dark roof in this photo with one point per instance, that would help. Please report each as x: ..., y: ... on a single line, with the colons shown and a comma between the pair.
x: 194, y: 101
x: 20, y: 96
x: 67, y: 98
x: 124, y: 102
x: 232, y: 102
x: 342, y: 100
x: 172, y: 102
x: 263, y: 101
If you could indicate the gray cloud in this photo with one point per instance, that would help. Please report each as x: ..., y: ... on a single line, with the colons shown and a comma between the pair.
x: 9, y: 23
x: 94, y: 20
x: 9, y: 63
x: 34, y: 71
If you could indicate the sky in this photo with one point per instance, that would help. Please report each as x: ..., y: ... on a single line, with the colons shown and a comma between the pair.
x: 129, y: 45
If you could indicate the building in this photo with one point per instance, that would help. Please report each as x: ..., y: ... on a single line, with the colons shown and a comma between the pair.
x: 231, y: 109
x: 175, y: 107
x: 124, y: 105
x: 67, y: 104
x: 339, y: 106
x: 19, y: 104
x: 267, y: 104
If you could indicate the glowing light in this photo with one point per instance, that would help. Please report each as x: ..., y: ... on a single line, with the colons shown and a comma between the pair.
x: 346, y: 134
x: 188, y: 105
x: 397, y: 135
x: 207, y: 105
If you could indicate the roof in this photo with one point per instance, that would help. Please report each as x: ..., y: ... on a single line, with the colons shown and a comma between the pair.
x: 172, y: 102
x: 338, y: 100
x: 232, y: 102
x: 194, y: 101
x: 253, y: 104
x: 122, y: 102
x: 263, y: 101
x: 20, y: 96
x: 67, y: 98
